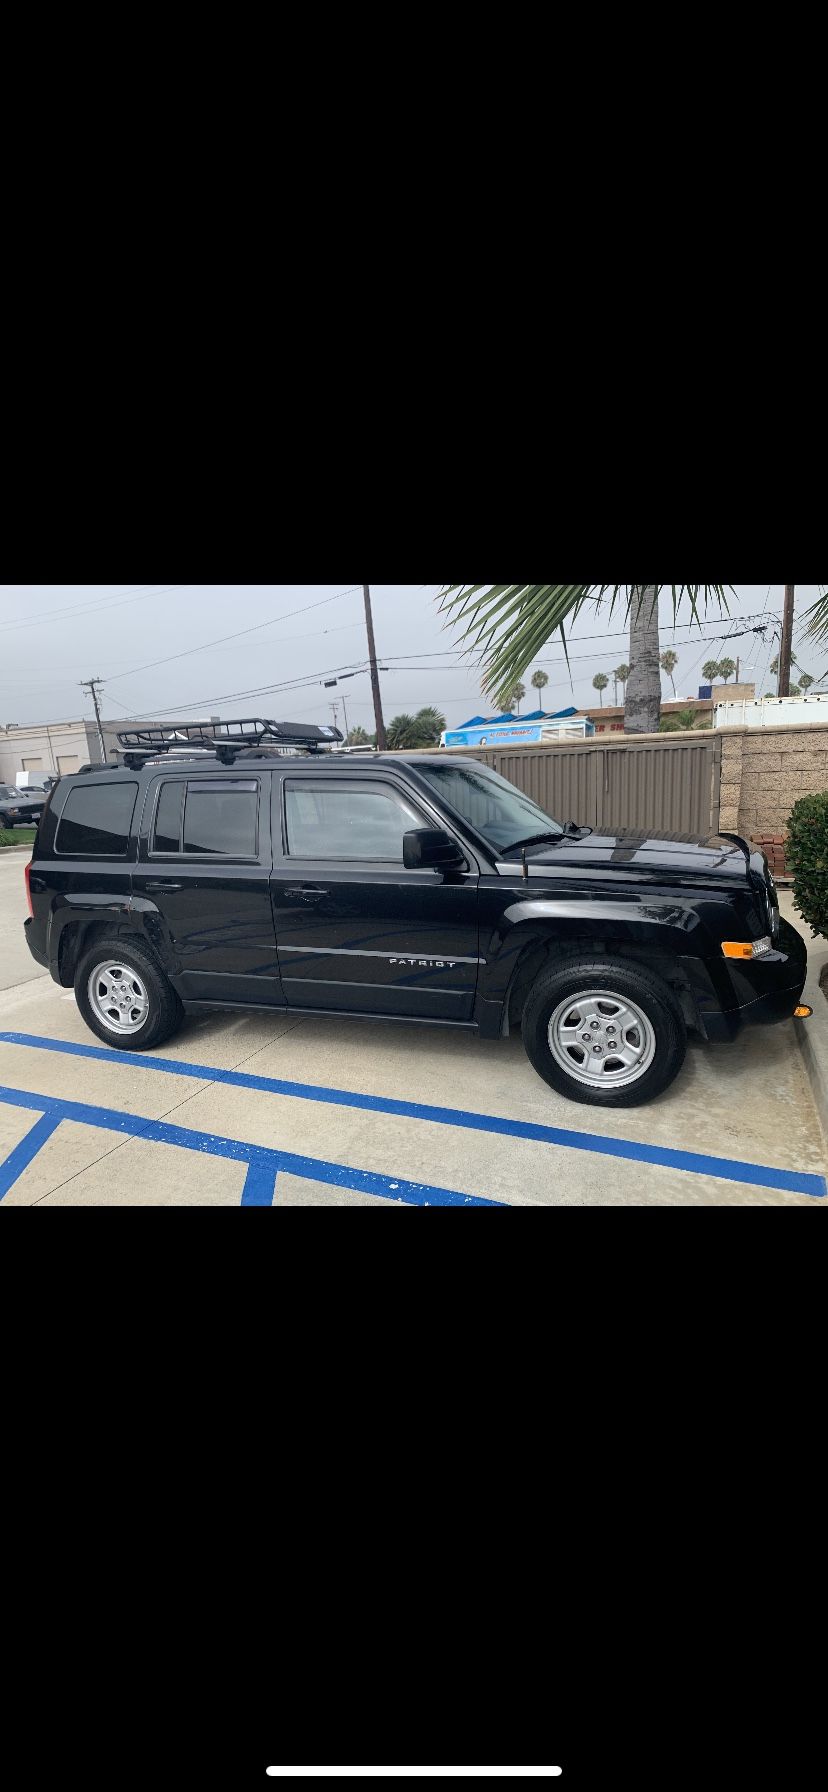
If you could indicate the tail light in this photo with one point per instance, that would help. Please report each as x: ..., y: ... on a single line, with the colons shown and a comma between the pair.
x: 27, y: 873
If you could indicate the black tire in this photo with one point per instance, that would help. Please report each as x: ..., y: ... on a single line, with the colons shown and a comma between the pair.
x: 661, y: 1045
x: 165, y: 1009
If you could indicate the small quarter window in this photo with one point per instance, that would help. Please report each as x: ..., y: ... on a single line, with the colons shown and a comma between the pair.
x: 96, y: 821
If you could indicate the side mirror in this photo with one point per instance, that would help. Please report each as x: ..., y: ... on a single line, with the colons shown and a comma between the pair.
x: 425, y: 847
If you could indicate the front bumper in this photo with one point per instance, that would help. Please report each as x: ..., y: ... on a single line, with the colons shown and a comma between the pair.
x: 757, y: 993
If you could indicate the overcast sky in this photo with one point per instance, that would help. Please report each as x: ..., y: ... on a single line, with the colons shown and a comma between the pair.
x: 55, y: 635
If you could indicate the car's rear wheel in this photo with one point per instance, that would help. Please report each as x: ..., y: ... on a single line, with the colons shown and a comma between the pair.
x: 124, y: 996
x: 607, y: 1032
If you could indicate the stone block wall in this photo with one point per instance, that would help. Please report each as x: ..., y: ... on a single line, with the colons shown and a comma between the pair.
x: 765, y: 771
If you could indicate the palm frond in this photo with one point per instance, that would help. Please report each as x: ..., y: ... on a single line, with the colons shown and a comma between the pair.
x: 817, y: 616
x: 505, y: 626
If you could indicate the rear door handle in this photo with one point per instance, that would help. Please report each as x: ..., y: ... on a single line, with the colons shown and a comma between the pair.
x: 305, y: 893
x: 160, y: 887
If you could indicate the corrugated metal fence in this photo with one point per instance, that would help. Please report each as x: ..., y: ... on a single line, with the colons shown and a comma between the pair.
x: 672, y: 785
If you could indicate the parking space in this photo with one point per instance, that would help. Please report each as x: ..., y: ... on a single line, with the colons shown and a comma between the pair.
x: 259, y: 1109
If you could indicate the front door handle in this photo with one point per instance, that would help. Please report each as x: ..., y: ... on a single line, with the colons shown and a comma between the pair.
x: 305, y: 893
x: 159, y: 887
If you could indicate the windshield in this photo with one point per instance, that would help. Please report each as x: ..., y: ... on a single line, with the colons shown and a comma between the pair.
x: 6, y: 790
x: 492, y: 806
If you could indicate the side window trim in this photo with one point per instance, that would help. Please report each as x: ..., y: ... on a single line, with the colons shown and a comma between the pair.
x: 219, y: 786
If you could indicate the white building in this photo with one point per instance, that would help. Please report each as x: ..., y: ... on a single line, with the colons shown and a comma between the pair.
x: 57, y: 747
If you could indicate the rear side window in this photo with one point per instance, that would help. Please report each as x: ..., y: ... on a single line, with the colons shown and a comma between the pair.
x: 208, y: 820
x: 96, y: 821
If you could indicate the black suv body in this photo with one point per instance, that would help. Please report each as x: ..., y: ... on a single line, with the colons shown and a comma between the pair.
x: 411, y: 887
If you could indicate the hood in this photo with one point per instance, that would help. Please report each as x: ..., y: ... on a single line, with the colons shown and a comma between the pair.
x: 646, y: 854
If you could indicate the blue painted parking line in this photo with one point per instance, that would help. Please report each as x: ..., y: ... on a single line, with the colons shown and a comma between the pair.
x: 25, y: 1153
x: 263, y: 1164
x: 727, y: 1169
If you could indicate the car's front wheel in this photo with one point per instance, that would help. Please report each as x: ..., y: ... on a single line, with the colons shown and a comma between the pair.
x: 604, y: 1032
x: 124, y: 996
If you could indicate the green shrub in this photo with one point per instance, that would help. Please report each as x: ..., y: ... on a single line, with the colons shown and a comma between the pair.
x: 807, y: 858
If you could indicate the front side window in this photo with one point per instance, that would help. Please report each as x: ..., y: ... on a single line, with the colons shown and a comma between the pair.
x: 96, y: 821
x: 357, y: 821
x: 215, y: 820
x: 491, y: 805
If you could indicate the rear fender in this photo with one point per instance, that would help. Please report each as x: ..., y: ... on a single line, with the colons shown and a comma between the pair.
x: 74, y: 923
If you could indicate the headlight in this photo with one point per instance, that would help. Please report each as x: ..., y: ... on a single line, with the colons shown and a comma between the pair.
x: 747, y: 948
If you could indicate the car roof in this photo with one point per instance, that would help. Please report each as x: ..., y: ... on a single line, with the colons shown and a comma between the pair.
x: 310, y: 765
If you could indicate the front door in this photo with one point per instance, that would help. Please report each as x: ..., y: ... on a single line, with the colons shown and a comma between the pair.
x: 204, y: 868
x: 355, y: 930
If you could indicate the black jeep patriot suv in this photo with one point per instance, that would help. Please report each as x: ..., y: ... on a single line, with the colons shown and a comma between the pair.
x: 246, y: 867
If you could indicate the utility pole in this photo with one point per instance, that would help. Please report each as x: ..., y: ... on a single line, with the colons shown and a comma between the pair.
x: 786, y: 650
x: 345, y: 714
x: 91, y: 684
x: 382, y: 741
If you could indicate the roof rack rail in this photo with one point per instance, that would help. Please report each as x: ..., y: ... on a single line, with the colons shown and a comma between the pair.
x: 225, y: 739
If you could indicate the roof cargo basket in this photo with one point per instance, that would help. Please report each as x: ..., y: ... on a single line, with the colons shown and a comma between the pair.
x: 224, y: 739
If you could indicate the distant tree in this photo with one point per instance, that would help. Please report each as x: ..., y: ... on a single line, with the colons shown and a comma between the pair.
x: 540, y: 681
x: 805, y: 682
x: 402, y: 733
x: 668, y: 664
x: 359, y: 738
x: 669, y: 725
x: 515, y: 698
x: 620, y: 675
x: 795, y: 691
x: 407, y: 733
x: 430, y: 725
x: 686, y: 718
x: 726, y: 669
x: 599, y: 683
x: 710, y: 671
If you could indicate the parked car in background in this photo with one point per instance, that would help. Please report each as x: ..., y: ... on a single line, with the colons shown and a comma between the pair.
x: 19, y: 809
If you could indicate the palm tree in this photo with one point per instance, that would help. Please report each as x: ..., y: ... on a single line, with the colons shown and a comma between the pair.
x: 358, y: 738
x: 407, y: 733
x: 726, y: 669
x: 540, y: 681
x: 430, y: 725
x: 805, y: 682
x: 402, y: 734
x: 668, y: 663
x: 509, y: 624
x: 599, y: 683
x: 515, y: 697
x: 710, y: 671
x: 621, y: 674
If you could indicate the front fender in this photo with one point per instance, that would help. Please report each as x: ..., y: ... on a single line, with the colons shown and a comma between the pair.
x: 530, y: 922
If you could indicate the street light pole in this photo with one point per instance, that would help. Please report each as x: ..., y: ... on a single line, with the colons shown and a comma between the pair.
x: 382, y: 741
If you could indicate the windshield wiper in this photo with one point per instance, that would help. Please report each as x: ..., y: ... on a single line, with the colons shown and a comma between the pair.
x: 533, y: 840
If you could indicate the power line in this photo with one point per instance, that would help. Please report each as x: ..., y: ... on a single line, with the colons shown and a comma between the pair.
x: 71, y: 611
x: 223, y: 639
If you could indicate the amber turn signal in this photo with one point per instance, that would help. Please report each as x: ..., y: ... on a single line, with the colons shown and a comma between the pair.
x: 747, y: 948
x: 803, y: 1013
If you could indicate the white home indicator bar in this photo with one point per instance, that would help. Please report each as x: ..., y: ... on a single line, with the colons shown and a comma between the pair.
x: 504, y: 1773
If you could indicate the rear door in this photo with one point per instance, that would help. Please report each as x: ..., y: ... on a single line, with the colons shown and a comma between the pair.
x: 355, y: 930
x: 204, y: 866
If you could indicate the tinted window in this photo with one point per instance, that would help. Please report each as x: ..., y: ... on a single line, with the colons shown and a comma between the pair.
x: 356, y: 822
x: 96, y: 820
x: 222, y: 820
x: 167, y: 835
